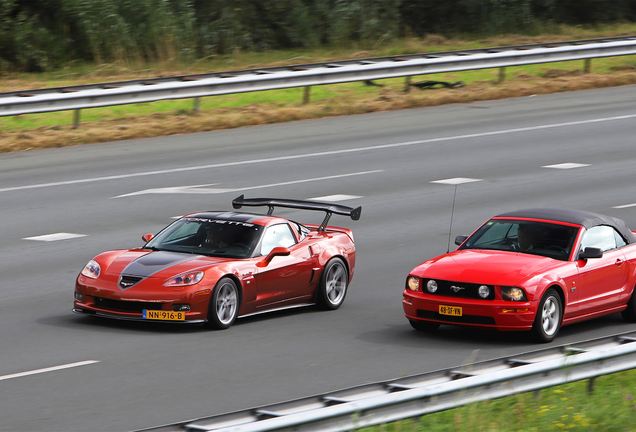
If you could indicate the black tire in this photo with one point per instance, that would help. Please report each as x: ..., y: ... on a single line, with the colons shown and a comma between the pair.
x: 224, y: 304
x: 549, y: 317
x: 629, y: 314
x: 332, y: 288
x: 424, y: 326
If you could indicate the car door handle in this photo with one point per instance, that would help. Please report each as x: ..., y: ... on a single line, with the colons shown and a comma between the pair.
x: 619, y: 262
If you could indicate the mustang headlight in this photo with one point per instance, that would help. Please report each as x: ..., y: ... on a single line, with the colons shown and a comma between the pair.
x: 185, y: 279
x: 413, y: 283
x: 92, y: 270
x: 513, y: 294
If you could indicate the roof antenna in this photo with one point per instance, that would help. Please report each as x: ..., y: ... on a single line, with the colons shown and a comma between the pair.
x: 450, y: 229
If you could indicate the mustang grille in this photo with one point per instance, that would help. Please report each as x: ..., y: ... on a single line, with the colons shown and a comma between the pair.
x: 466, y: 319
x: 126, y: 306
x: 458, y: 289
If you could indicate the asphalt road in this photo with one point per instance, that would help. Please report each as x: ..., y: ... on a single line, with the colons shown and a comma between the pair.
x: 105, y: 196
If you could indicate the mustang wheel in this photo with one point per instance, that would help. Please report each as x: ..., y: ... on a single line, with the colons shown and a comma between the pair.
x: 332, y: 288
x: 629, y: 314
x: 424, y: 326
x: 224, y: 304
x: 548, y: 320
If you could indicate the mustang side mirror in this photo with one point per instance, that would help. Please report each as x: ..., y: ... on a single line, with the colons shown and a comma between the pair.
x: 460, y: 239
x: 590, y: 252
x: 147, y: 237
x: 277, y: 251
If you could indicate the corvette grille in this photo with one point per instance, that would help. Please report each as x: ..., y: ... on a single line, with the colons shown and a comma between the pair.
x: 126, y: 306
x: 458, y: 289
x: 126, y: 282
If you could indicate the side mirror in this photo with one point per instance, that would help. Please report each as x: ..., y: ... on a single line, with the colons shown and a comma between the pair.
x: 460, y: 239
x: 277, y: 251
x: 147, y: 237
x: 590, y: 252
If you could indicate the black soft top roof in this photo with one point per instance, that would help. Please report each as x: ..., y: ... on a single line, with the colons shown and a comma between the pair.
x: 579, y: 217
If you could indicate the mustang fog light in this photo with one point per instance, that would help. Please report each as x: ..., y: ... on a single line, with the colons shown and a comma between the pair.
x: 413, y: 283
x: 484, y: 291
x: 431, y: 286
x: 513, y: 294
x: 79, y: 297
x: 181, y: 307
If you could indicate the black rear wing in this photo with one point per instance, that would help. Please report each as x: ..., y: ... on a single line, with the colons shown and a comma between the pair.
x: 353, y: 213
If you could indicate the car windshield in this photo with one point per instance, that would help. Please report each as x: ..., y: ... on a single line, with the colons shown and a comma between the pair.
x: 537, y: 238
x: 212, y: 237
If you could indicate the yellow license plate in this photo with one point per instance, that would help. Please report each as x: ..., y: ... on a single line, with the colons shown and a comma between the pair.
x: 450, y: 310
x: 164, y: 315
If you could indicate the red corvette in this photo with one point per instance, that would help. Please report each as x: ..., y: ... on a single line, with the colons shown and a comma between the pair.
x: 212, y: 267
x: 535, y: 269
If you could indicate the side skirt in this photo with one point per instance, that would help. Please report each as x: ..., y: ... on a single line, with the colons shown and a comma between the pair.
x: 598, y: 314
x: 281, y: 308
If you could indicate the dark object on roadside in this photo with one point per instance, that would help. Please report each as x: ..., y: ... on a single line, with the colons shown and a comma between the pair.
x: 438, y: 84
x: 371, y: 83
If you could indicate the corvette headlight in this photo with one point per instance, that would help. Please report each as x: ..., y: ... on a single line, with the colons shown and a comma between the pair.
x: 413, y: 283
x: 431, y: 285
x: 513, y: 294
x: 92, y: 270
x: 185, y: 279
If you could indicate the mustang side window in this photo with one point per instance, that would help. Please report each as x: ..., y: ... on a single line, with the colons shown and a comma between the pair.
x: 277, y: 236
x: 603, y: 237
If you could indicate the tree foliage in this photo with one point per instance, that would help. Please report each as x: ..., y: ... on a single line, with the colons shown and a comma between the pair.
x: 38, y: 35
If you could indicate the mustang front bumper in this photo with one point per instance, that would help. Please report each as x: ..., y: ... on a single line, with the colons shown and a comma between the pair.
x: 494, y: 314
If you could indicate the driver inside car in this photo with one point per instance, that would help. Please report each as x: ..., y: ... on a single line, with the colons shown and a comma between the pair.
x: 212, y: 237
x: 526, y: 238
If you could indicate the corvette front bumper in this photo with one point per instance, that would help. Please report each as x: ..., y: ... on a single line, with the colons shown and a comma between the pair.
x: 129, y: 316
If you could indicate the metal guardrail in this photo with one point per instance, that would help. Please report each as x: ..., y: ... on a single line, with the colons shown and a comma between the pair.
x: 213, y: 84
x: 410, y: 397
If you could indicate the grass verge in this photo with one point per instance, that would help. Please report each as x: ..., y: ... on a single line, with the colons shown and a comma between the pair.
x: 34, y: 131
x: 610, y: 407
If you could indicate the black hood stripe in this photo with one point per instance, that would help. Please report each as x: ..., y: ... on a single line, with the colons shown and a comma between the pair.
x: 154, y: 262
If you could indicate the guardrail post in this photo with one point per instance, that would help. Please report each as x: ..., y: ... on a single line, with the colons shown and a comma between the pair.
x: 502, y: 75
x: 590, y: 385
x: 407, y: 84
x: 197, y: 104
x: 306, y: 95
x: 587, y: 65
x: 76, y: 118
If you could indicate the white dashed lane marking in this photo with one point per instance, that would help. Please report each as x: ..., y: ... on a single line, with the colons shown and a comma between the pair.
x: 625, y: 206
x: 49, y: 369
x: 456, y: 181
x: 335, y: 198
x: 55, y: 237
x: 199, y: 190
x: 565, y: 166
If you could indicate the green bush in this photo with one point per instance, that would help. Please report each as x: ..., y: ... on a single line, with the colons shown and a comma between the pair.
x: 38, y: 35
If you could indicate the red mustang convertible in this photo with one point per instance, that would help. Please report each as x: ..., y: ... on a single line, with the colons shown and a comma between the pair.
x: 212, y: 267
x: 535, y: 269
